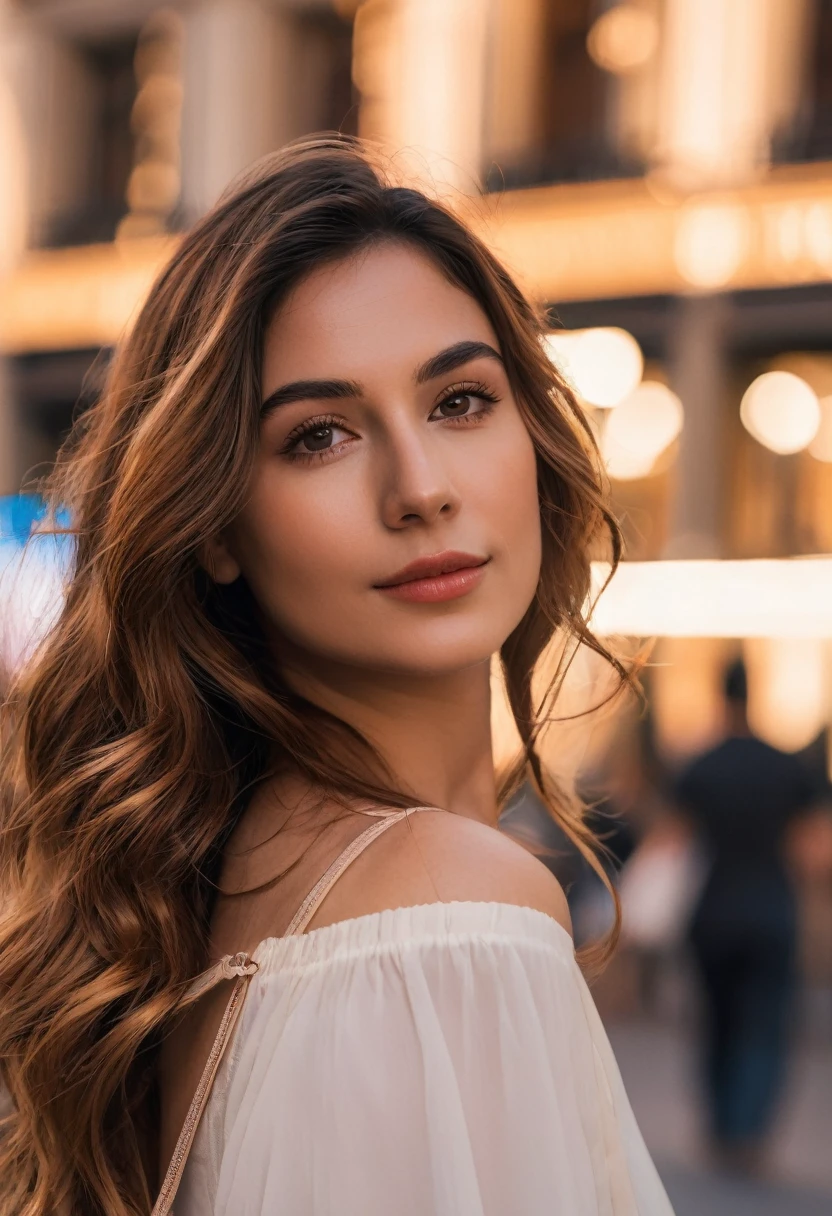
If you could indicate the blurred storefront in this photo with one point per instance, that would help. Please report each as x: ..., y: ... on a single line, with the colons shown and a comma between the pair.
x: 658, y: 173
x: 659, y: 167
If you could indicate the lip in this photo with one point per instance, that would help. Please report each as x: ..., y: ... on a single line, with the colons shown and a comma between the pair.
x: 444, y: 576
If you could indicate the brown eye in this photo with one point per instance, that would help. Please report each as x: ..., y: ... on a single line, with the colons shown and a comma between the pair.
x: 320, y: 437
x: 455, y: 406
x: 317, y: 440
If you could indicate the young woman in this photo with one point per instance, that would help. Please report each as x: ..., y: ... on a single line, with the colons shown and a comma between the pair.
x: 332, y: 473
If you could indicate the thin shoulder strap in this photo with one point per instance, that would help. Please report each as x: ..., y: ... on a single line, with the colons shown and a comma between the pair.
x: 241, y: 968
x: 328, y: 880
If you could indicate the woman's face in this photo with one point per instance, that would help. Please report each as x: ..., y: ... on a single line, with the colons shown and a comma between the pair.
x: 389, y: 436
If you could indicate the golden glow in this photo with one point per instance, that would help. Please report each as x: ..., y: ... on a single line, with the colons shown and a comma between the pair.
x: 623, y: 39
x: 568, y: 739
x: 789, y: 598
x: 599, y: 239
x: 84, y: 297
x: 606, y: 239
x: 717, y: 82
x: 781, y: 411
x: 637, y: 433
x: 787, y: 690
x: 603, y: 365
x: 821, y: 445
x: 685, y: 693
x: 421, y: 66
x: 711, y: 242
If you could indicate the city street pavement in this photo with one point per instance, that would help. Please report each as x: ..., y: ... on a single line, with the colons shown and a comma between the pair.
x: 658, y: 1066
x: 698, y: 1194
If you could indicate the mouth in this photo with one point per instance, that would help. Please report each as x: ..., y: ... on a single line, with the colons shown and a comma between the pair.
x: 444, y: 576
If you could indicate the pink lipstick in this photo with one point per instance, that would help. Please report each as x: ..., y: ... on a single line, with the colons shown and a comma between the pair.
x: 432, y: 580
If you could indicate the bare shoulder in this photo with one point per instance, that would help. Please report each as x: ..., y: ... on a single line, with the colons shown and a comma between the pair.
x: 478, y: 862
x: 440, y: 857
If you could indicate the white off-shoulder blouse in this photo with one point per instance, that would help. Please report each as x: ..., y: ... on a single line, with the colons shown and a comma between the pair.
x: 443, y: 1059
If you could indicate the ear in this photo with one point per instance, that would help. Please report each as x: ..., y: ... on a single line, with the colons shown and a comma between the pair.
x: 216, y: 558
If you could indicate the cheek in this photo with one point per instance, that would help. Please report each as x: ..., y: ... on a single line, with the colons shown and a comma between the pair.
x: 298, y: 539
x: 308, y: 544
x: 509, y: 498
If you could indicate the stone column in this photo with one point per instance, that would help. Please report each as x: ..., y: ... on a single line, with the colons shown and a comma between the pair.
x: 727, y: 77
x: 513, y: 104
x: 421, y: 68
x: 730, y: 77
x: 697, y: 367
x: 237, y: 93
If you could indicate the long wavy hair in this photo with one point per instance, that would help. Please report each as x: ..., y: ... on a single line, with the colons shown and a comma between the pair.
x: 134, y: 737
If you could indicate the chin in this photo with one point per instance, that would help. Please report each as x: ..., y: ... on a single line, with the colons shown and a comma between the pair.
x: 437, y: 651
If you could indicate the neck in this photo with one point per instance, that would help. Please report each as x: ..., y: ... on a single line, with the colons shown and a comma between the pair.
x: 433, y: 731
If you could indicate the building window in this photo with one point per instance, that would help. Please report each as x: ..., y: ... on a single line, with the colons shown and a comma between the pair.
x: 574, y: 136
x: 327, y: 98
x: 818, y: 140
x: 808, y: 136
x: 104, y: 146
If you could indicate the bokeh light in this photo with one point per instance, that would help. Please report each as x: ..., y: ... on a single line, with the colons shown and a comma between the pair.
x: 664, y: 166
x: 774, y: 598
x: 604, y: 365
x: 641, y: 429
x: 711, y: 241
x: 781, y: 411
x: 787, y: 706
x: 623, y: 39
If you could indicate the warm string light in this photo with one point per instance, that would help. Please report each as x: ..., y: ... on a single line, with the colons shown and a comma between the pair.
x: 781, y: 411
x: 603, y: 365
x: 788, y: 690
x: 777, y: 598
x: 640, y: 430
x: 623, y: 39
x: 637, y: 420
x: 711, y: 243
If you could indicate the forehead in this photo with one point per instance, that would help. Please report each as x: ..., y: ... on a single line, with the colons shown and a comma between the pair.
x: 385, y: 309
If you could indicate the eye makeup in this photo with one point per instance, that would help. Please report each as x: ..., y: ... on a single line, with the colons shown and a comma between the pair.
x: 320, y: 429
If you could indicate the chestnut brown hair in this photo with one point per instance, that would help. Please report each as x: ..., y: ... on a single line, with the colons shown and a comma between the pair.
x: 150, y: 711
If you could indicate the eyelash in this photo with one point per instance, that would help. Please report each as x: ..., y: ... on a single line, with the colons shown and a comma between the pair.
x: 306, y: 428
x: 477, y: 390
x: 480, y: 391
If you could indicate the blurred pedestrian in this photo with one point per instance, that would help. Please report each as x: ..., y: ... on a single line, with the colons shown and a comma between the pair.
x: 741, y: 798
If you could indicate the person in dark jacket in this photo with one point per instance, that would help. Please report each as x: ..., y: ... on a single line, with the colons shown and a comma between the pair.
x: 741, y: 798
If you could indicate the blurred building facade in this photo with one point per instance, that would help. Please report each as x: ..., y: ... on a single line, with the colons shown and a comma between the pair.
x: 662, y: 167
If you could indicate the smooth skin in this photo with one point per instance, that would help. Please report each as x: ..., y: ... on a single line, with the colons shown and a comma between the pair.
x: 414, y: 446
x: 373, y: 455
x: 399, y: 480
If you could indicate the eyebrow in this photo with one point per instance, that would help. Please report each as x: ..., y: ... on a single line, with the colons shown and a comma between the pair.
x: 453, y: 357
x: 441, y: 364
x: 310, y: 390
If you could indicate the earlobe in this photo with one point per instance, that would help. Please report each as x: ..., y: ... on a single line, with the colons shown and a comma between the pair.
x: 217, y: 560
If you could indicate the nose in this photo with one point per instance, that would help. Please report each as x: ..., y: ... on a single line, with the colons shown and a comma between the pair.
x: 417, y: 487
